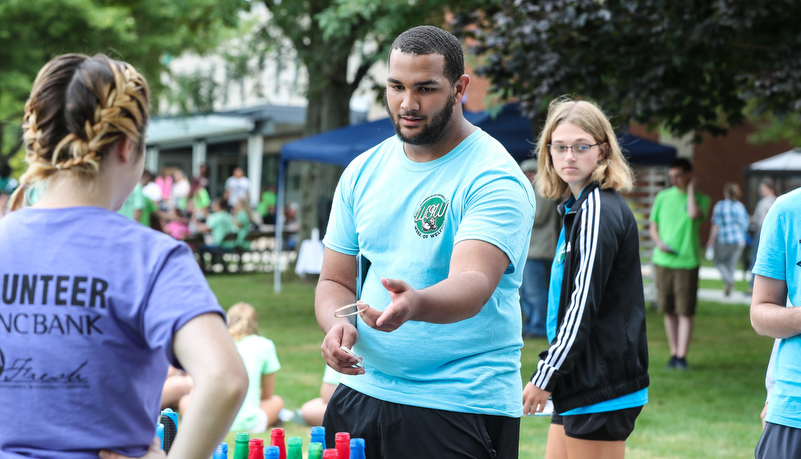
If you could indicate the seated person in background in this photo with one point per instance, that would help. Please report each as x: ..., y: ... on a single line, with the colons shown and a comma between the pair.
x: 291, y: 225
x: 261, y: 406
x: 177, y: 224
x: 266, y: 206
x: 242, y: 220
x: 198, y: 201
x: 219, y: 224
x: 177, y: 385
x: 180, y: 190
x: 313, y: 411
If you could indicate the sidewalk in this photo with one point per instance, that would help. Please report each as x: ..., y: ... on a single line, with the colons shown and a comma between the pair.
x: 707, y: 294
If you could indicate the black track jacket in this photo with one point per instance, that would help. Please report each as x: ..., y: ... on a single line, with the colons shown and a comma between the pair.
x: 600, y: 351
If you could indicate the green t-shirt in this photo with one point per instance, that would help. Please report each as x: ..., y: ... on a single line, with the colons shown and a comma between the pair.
x: 260, y: 358
x: 135, y: 201
x: 200, y: 200
x: 149, y: 208
x: 677, y: 230
x: 267, y: 200
x: 243, y: 220
x: 221, y: 224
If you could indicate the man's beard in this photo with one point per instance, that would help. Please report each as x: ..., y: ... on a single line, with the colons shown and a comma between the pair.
x: 431, y: 132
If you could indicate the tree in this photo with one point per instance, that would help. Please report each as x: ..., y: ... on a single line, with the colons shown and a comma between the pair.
x: 772, y: 128
x: 326, y: 34
x: 140, y: 32
x: 685, y: 64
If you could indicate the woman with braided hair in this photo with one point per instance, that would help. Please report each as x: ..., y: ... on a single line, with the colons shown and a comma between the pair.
x: 95, y: 305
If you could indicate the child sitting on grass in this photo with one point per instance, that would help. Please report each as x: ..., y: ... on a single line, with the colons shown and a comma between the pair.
x: 261, y: 406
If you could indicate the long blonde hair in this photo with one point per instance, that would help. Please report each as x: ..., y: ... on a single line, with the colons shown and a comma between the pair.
x: 242, y: 321
x: 612, y: 172
x: 78, y: 108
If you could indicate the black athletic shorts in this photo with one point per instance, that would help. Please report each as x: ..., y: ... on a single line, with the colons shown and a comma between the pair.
x: 394, y: 431
x: 778, y: 441
x: 605, y: 426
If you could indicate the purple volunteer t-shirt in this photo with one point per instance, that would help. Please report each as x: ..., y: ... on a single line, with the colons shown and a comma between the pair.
x: 89, y: 306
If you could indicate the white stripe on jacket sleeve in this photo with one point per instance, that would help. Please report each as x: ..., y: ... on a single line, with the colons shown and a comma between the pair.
x: 568, y: 331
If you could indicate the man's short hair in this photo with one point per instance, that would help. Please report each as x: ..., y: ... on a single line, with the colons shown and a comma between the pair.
x: 424, y: 40
x: 683, y: 164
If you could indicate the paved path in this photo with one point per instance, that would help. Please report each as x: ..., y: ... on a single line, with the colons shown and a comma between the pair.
x: 715, y: 295
x: 708, y: 294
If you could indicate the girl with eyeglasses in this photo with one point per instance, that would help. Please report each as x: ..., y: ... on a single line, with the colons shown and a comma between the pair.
x: 95, y: 305
x: 596, y: 368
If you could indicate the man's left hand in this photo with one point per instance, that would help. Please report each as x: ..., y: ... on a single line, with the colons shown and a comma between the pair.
x: 404, y: 301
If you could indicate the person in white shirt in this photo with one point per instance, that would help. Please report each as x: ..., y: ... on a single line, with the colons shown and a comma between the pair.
x: 236, y: 186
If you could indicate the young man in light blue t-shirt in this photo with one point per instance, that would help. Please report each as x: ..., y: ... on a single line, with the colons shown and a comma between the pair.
x: 443, y: 213
x: 776, y: 291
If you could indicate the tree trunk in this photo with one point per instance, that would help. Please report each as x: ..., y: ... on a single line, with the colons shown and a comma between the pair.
x: 329, y: 108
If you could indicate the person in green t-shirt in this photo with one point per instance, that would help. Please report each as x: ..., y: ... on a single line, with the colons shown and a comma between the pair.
x: 132, y: 207
x: 242, y: 221
x: 266, y: 206
x: 220, y: 224
x: 197, y: 202
x: 675, y: 219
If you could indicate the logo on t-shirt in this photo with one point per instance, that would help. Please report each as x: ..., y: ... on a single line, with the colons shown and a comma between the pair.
x: 430, y: 216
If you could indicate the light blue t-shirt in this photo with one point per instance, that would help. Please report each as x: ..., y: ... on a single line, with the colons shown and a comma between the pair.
x: 632, y: 400
x: 91, y: 301
x: 406, y: 217
x: 777, y: 258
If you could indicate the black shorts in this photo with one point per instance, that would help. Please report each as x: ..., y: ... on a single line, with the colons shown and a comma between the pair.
x: 778, y: 441
x: 605, y: 426
x: 394, y: 431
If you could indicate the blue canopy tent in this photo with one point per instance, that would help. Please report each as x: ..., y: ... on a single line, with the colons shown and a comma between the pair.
x: 511, y: 128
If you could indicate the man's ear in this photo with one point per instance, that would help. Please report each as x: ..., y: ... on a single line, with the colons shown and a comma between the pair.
x: 461, y: 88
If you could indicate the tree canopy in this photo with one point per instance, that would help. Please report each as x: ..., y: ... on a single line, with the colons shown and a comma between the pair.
x: 141, y: 32
x: 327, y: 35
x: 687, y: 65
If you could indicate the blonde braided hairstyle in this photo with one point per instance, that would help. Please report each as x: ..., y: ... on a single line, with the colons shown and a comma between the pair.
x: 79, y: 107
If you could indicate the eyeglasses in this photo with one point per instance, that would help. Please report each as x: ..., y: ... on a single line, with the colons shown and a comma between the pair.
x: 577, y: 149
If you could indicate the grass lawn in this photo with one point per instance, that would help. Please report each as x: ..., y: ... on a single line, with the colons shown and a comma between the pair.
x: 711, y: 411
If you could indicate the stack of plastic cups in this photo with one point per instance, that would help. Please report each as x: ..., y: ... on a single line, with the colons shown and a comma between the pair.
x: 294, y: 448
x: 221, y: 452
x: 277, y: 438
x: 342, y: 440
x: 272, y: 452
x: 256, y: 450
x: 318, y: 435
x: 315, y: 450
x: 241, y: 445
x: 357, y: 448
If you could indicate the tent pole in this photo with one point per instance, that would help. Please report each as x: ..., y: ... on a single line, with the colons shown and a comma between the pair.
x: 279, y: 225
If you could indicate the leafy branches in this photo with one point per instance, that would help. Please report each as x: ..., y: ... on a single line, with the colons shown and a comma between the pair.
x: 140, y: 32
x: 689, y: 65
